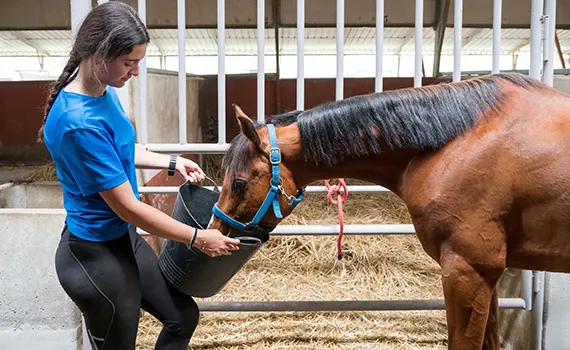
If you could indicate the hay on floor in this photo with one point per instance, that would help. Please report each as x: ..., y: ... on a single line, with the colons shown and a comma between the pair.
x: 306, y: 268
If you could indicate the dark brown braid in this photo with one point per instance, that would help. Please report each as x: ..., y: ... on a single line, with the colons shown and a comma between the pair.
x: 55, y: 89
x: 110, y: 30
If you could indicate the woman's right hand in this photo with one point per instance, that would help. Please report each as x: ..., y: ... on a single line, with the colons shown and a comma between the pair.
x: 213, y: 243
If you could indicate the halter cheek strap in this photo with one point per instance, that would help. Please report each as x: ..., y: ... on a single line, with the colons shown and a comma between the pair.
x: 272, y: 198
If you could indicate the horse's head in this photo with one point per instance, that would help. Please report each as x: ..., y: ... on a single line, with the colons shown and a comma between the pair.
x: 258, y: 189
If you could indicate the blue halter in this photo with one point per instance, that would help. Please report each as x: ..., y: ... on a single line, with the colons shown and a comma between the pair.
x: 272, y: 197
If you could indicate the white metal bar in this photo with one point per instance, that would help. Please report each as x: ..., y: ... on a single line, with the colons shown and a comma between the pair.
x: 534, y: 72
x: 206, y: 148
x: 526, y: 289
x: 351, y: 189
x: 457, y: 26
x: 535, y: 38
x: 418, y: 36
x: 325, y: 230
x: 100, y: 2
x: 497, y: 21
x: 79, y: 10
x: 338, y: 305
x: 143, y: 83
x: 549, y: 26
x: 329, y: 230
x: 549, y: 32
x: 261, y: 60
x: 339, y: 50
x: 537, y: 317
x: 181, y: 18
x: 300, y: 55
x: 379, y: 45
x: 221, y: 72
x: 309, y: 189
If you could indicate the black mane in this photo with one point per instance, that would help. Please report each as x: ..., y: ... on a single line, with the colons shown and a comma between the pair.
x: 421, y: 118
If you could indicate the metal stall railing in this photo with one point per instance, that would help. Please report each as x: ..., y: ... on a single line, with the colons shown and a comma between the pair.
x: 542, y: 44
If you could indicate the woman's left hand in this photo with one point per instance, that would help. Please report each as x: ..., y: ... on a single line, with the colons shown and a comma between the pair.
x: 189, y: 170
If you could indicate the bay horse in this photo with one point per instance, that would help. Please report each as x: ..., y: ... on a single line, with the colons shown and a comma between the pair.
x: 483, y: 166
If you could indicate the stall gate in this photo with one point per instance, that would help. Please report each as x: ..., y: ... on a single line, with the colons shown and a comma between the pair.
x: 542, y: 20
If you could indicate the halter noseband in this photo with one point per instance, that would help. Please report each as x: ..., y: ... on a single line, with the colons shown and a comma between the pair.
x: 272, y: 198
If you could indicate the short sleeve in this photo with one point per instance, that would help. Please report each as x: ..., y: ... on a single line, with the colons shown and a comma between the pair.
x: 92, y: 160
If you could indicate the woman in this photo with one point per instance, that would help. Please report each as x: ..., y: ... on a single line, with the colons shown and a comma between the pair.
x: 105, y: 267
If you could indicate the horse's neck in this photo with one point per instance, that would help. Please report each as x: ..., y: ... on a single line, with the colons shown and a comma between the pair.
x: 386, y: 169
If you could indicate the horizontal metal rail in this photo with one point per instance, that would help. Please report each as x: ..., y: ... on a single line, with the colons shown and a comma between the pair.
x: 329, y: 230
x: 310, y: 189
x: 198, y: 148
x: 341, y: 305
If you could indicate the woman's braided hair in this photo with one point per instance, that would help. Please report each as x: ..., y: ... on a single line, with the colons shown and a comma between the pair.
x: 110, y: 30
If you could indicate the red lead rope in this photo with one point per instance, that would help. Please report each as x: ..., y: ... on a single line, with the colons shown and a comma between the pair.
x: 340, y: 197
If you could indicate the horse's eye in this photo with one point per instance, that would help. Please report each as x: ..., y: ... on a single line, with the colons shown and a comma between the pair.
x: 238, y: 187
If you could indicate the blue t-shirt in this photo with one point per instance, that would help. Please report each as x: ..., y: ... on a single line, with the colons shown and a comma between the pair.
x: 92, y: 143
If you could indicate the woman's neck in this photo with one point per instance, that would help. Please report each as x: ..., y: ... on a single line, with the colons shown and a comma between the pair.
x: 85, y: 81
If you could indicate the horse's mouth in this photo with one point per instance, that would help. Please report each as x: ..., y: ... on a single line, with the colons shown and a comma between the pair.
x: 262, y: 236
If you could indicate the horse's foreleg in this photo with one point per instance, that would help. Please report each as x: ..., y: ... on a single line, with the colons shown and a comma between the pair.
x: 491, y: 340
x: 468, y: 294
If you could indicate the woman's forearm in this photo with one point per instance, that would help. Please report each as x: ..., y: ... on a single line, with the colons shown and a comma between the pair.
x: 123, y: 202
x: 153, y: 220
x: 150, y: 160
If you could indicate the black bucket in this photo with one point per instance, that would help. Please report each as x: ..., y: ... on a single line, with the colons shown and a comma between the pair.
x: 191, y: 271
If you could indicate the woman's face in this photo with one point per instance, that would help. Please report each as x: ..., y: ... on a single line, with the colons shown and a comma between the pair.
x: 118, y: 71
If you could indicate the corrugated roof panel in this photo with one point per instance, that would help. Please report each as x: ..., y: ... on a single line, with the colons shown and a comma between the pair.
x: 397, y: 32
x: 515, y: 33
x: 317, y: 41
x: 11, y: 47
x: 478, y: 46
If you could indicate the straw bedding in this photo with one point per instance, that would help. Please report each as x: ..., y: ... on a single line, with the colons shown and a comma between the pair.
x: 306, y: 268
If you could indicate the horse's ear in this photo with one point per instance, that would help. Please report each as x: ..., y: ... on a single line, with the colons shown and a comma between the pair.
x: 247, y: 127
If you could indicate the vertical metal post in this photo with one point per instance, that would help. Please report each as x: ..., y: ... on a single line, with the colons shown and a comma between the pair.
x: 79, y: 9
x: 457, y: 26
x: 534, y: 72
x: 339, y: 49
x: 300, y: 55
x: 548, y: 52
x: 419, y: 36
x: 143, y: 83
x: 526, y: 291
x: 529, y: 289
x: 181, y: 16
x: 537, y: 310
x: 535, y: 38
x: 221, y: 72
x: 497, y: 20
x: 535, y: 53
x: 549, y: 26
x: 261, y: 60
x: 379, y: 44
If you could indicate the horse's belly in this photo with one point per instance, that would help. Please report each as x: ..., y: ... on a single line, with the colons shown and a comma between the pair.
x: 541, y: 239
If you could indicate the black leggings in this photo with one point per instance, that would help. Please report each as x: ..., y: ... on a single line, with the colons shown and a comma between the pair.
x: 110, y: 282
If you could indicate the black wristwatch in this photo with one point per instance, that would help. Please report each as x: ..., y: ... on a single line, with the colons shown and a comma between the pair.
x: 172, y: 165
